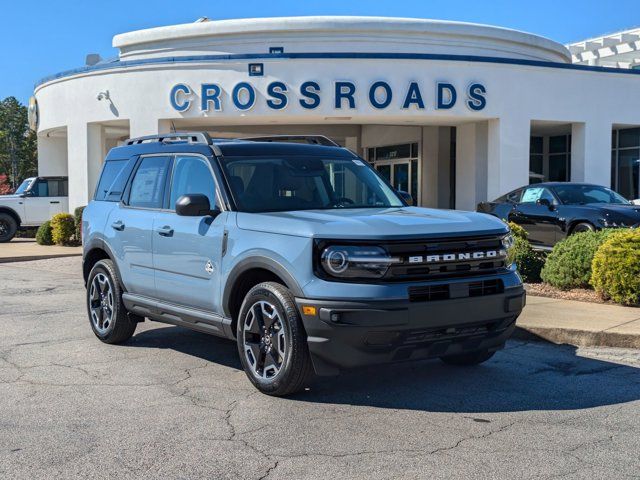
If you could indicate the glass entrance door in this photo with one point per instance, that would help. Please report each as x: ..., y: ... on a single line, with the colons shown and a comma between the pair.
x: 399, y: 165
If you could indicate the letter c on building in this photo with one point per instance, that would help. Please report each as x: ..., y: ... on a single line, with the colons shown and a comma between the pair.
x: 179, y: 102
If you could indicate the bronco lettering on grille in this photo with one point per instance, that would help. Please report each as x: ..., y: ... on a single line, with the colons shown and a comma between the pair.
x: 455, y: 257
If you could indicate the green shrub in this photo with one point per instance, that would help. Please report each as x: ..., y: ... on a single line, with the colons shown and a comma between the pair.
x: 43, y: 235
x: 517, y: 231
x: 77, y: 216
x: 569, y: 263
x: 63, y: 228
x: 616, y: 268
x: 528, y: 261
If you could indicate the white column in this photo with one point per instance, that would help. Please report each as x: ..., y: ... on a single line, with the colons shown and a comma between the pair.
x: 444, y: 167
x: 52, y: 155
x: 141, y: 126
x: 429, y: 158
x: 591, y: 152
x: 86, y: 151
x: 96, y: 151
x: 465, y: 166
x: 508, y: 155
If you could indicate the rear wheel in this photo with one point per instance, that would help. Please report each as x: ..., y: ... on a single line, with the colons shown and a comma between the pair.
x: 8, y: 227
x: 271, y: 341
x: 468, y: 359
x: 108, y: 316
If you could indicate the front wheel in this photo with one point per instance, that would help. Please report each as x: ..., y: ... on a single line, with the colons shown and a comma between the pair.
x: 271, y: 341
x: 108, y: 316
x: 8, y: 227
x: 583, y: 227
x: 468, y: 359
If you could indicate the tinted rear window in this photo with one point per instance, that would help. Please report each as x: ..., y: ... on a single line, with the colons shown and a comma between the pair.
x: 113, y: 180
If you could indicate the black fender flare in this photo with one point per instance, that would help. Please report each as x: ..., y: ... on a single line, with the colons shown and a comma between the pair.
x: 12, y: 212
x: 99, y: 244
x: 263, y: 263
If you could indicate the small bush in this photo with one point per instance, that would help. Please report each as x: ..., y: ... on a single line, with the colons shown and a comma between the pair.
x: 528, y: 261
x: 77, y: 216
x: 43, y: 235
x: 63, y: 228
x: 517, y: 231
x: 569, y: 264
x: 616, y: 268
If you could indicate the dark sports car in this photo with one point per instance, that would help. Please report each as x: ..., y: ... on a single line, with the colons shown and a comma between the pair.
x: 552, y: 211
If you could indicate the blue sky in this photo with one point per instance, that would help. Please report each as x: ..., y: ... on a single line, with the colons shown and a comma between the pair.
x: 42, y: 37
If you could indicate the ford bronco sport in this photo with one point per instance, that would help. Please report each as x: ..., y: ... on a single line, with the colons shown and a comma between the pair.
x: 301, y: 253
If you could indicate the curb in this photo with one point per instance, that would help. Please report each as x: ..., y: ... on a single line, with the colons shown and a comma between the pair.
x: 578, y: 338
x: 30, y: 258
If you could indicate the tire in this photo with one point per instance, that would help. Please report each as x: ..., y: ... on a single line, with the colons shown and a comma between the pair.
x: 108, y: 316
x: 8, y: 227
x: 468, y: 359
x: 272, y: 342
x: 582, y: 227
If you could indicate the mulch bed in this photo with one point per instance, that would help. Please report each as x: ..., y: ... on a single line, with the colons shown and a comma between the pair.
x: 580, y: 294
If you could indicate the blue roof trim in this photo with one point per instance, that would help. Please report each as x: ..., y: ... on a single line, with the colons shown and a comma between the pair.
x: 336, y: 55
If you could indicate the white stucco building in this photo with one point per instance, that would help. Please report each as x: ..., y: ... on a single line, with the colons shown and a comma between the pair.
x: 455, y: 113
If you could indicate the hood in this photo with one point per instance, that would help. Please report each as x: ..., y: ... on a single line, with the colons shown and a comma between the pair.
x: 373, y: 223
x: 628, y: 213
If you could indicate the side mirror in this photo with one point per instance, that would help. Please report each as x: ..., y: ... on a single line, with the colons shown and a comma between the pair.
x: 406, y: 196
x: 544, y: 202
x: 195, y: 205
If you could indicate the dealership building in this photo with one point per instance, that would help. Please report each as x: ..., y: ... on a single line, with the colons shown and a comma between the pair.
x: 454, y: 113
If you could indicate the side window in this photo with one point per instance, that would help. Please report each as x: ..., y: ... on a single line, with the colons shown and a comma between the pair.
x: 147, y: 187
x: 40, y: 189
x: 191, y: 175
x: 533, y: 194
x: 513, y: 197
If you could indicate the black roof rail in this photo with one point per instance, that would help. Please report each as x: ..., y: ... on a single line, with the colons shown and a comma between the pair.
x: 312, y: 139
x: 189, y: 137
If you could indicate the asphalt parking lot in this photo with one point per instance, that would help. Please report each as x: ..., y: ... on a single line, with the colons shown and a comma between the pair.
x: 174, y: 404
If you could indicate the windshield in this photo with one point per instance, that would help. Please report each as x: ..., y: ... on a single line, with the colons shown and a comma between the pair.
x: 24, y: 186
x: 294, y: 182
x: 583, y: 194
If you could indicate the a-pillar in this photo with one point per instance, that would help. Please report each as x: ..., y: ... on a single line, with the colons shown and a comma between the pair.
x: 591, y: 152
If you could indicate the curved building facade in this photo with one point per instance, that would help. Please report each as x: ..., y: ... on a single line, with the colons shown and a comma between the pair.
x: 455, y: 113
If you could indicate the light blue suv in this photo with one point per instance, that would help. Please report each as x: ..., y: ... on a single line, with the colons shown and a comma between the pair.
x: 296, y: 249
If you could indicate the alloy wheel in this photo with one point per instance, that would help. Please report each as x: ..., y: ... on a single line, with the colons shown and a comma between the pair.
x: 4, y: 228
x: 264, y: 340
x: 101, y: 303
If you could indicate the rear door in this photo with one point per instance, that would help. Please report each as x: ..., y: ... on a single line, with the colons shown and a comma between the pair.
x: 187, y: 251
x: 130, y: 225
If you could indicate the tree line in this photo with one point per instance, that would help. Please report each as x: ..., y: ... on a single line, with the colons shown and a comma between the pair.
x: 18, y: 145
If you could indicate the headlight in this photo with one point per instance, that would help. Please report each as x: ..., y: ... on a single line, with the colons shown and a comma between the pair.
x: 508, y: 242
x: 356, y: 261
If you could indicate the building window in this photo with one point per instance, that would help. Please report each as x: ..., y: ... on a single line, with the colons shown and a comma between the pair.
x: 625, y: 162
x: 560, y: 158
x: 536, y: 160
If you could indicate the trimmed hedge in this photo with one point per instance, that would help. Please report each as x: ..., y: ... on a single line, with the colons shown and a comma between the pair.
x: 43, y: 235
x: 63, y: 227
x: 569, y: 263
x: 528, y: 261
x: 77, y: 216
x: 616, y: 268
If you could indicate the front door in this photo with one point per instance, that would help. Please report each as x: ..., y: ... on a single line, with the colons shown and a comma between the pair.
x: 540, y: 221
x: 46, y: 198
x: 188, y: 250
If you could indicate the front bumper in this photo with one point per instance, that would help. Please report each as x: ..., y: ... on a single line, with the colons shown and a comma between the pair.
x: 343, y: 335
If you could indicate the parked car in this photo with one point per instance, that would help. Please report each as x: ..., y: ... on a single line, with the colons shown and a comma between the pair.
x: 552, y: 211
x: 301, y: 253
x: 36, y: 200
x: 636, y: 201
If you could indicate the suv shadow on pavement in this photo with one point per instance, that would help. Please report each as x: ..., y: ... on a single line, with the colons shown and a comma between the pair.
x: 525, y: 376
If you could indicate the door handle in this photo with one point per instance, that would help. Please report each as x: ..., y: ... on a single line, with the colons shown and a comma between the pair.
x: 119, y: 226
x: 165, y: 231
x: 54, y: 202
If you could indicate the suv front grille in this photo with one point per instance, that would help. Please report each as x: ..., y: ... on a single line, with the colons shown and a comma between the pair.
x: 436, y: 258
x: 430, y: 293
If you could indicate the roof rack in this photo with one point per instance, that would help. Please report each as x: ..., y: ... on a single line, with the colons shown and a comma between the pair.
x: 312, y: 139
x: 189, y: 137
